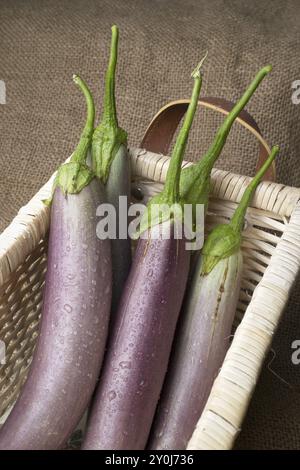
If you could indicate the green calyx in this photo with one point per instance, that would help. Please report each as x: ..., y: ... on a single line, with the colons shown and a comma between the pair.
x: 221, y: 243
x: 105, y: 145
x: 73, y: 176
x: 225, y: 239
x: 168, y: 204
x: 108, y: 136
x: 195, y: 180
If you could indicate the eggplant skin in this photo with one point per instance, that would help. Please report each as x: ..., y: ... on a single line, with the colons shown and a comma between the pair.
x: 140, y: 345
x: 119, y: 184
x: 201, y: 341
x: 73, y: 330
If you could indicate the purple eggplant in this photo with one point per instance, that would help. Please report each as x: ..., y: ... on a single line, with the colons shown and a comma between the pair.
x: 111, y: 163
x: 140, y: 344
x: 204, y: 329
x: 75, y: 313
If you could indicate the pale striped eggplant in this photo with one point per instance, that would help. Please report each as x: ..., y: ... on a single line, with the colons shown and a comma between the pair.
x: 204, y: 329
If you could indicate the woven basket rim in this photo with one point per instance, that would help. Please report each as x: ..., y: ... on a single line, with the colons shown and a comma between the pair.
x: 30, y: 225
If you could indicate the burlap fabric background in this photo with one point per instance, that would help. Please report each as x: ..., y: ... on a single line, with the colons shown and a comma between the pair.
x: 43, y: 43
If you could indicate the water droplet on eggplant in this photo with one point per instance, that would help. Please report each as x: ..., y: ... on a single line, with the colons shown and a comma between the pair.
x: 125, y: 365
x: 68, y: 308
x: 112, y: 395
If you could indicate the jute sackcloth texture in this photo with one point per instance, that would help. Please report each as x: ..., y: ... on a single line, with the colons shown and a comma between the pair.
x: 44, y: 43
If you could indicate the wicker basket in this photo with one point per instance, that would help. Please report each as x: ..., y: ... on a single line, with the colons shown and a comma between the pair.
x: 271, y: 248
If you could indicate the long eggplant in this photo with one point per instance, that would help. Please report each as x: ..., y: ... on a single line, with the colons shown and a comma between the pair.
x: 75, y: 314
x: 140, y: 345
x: 204, y: 329
x: 111, y: 163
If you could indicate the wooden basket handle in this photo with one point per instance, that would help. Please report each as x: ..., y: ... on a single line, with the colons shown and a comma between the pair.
x: 161, y: 129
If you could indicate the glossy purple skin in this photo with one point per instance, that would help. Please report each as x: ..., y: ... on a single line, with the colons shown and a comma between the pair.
x: 201, y: 342
x: 140, y: 345
x: 119, y: 184
x: 73, y: 329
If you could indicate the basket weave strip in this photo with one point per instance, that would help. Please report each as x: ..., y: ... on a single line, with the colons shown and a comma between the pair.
x: 20, y: 308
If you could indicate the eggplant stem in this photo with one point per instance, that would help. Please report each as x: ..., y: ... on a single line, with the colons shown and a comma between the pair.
x: 79, y: 155
x: 237, y: 221
x: 170, y: 195
x: 194, y: 179
x: 108, y: 136
x: 109, y: 108
x: 225, y: 239
x: 220, y: 138
x: 171, y: 188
